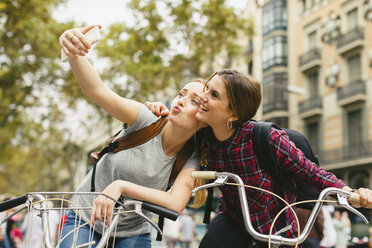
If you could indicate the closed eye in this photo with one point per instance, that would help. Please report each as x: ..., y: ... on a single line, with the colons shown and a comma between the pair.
x: 196, y: 102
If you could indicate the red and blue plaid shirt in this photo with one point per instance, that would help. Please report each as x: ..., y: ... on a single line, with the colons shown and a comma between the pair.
x: 236, y: 155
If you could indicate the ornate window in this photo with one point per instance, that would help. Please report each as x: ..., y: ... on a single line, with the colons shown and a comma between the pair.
x: 274, y: 16
x: 275, y: 96
x: 274, y: 52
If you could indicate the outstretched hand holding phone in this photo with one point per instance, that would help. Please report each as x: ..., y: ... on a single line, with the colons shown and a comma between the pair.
x: 77, y: 41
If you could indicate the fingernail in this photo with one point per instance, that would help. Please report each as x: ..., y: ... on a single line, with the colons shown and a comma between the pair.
x: 158, y: 115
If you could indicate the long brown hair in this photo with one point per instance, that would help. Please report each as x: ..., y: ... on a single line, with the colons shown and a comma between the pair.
x: 203, y: 144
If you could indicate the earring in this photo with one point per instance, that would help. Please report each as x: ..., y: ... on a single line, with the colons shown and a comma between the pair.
x: 229, y: 124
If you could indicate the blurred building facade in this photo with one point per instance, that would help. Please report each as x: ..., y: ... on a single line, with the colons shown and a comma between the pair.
x: 332, y: 61
x: 314, y: 60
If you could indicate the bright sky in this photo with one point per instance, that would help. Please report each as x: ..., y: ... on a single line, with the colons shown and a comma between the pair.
x: 106, y: 12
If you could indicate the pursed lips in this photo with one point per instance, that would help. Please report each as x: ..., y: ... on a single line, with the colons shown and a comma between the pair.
x: 176, y: 109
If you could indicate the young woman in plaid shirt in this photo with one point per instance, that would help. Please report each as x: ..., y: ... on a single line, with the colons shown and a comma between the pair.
x: 229, y: 102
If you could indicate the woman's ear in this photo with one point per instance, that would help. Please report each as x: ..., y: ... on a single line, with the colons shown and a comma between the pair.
x: 233, y: 118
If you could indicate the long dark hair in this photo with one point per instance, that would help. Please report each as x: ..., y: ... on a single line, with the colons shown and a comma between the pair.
x: 244, y: 94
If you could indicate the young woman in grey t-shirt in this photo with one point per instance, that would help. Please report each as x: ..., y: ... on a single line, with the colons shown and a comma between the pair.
x: 141, y: 172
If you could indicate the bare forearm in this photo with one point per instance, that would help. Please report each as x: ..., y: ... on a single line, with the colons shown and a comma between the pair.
x: 88, y: 78
x: 155, y: 196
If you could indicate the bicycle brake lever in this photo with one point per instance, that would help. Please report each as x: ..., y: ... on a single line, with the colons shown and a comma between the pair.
x: 220, y: 180
x: 342, y: 201
x: 138, y: 210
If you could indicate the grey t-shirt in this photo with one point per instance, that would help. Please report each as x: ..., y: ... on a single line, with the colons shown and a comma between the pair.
x: 145, y: 165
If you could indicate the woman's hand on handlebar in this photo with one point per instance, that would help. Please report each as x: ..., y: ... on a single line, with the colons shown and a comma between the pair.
x: 74, y: 43
x: 157, y: 108
x: 365, y: 198
x: 103, y: 206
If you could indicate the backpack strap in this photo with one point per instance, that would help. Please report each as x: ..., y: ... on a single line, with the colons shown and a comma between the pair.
x: 262, y: 149
x: 261, y: 146
x: 128, y: 141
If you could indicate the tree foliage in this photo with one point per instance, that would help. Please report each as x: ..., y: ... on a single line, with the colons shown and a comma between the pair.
x: 171, y: 42
x: 30, y: 80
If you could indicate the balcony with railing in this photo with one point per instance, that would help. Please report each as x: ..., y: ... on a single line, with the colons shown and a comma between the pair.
x: 275, y: 95
x: 350, y: 40
x: 352, y: 93
x: 348, y: 153
x: 311, y: 107
x: 273, y: 106
x: 310, y: 59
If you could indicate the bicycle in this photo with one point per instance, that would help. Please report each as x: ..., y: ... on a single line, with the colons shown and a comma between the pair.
x: 221, y: 178
x: 38, y: 201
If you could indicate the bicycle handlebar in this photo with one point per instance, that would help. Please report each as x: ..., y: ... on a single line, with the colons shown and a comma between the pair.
x: 222, y: 177
x: 162, y: 211
x: 15, y: 202
x: 204, y: 174
x: 354, y: 197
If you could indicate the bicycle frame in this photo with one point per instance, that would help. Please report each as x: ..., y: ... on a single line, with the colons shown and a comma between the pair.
x: 221, y: 179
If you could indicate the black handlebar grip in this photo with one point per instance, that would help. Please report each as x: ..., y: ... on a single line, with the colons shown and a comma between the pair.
x: 162, y: 211
x: 13, y: 203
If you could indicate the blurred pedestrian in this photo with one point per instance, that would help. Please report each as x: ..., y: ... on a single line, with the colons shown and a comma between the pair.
x: 329, y: 231
x: 54, y: 219
x: 6, y: 239
x: 4, y: 242
x: 171, y: 232
x: 346, y: 224
x: 341, y: 235
x: 187, y: 229
x: 32, y: 230
x: 316, y: 232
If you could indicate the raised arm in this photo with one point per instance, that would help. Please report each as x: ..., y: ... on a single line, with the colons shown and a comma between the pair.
x: 76, y: 46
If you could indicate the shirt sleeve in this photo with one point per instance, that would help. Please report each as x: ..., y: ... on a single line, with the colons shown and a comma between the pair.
x: 291, y: 160
x: 144, y: 119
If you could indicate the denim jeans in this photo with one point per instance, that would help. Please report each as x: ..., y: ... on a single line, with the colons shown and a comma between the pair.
x: 138, y: 241
x: 5, y: 243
